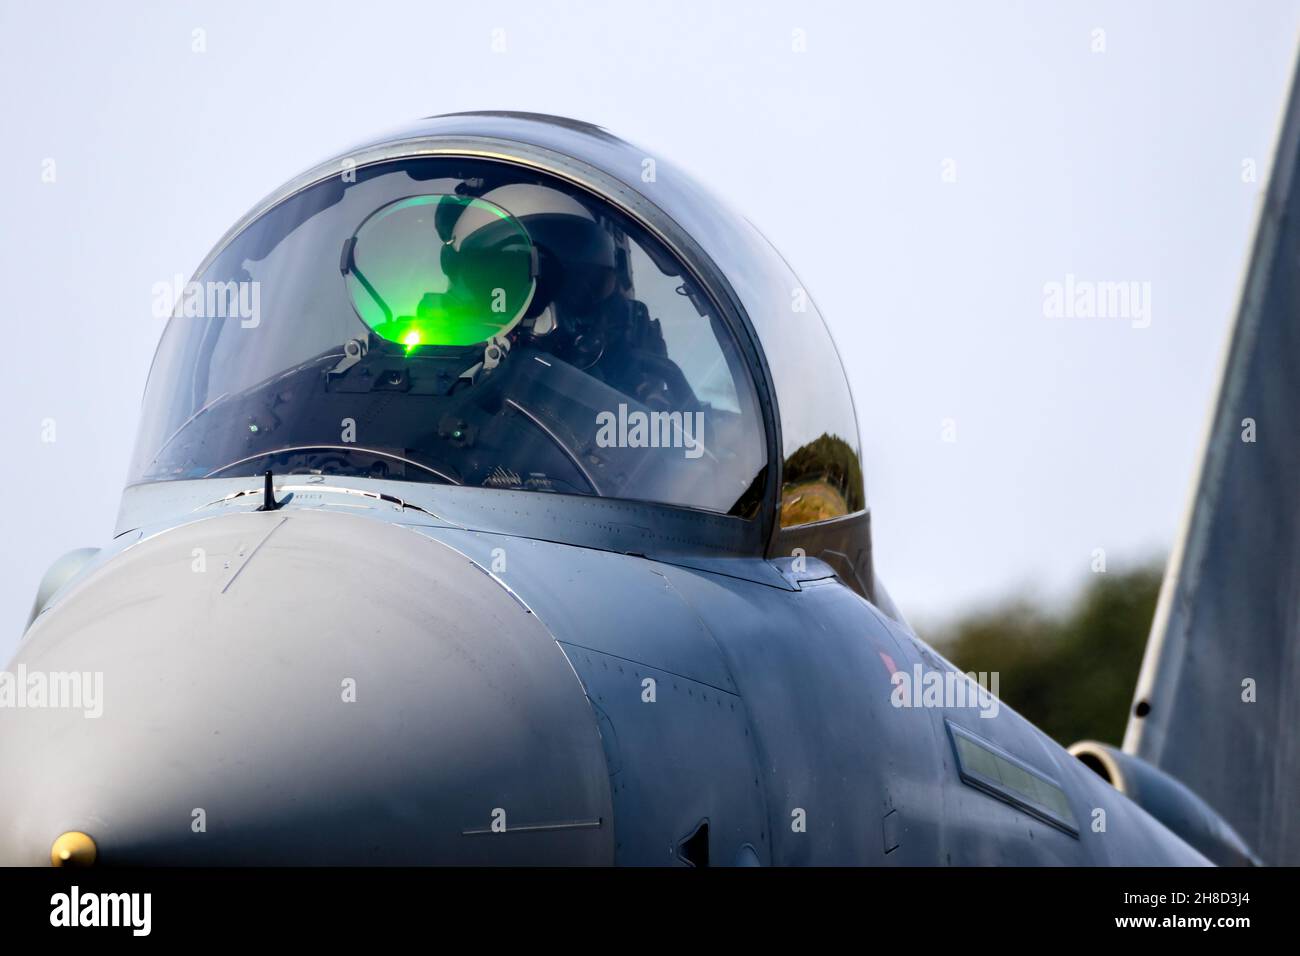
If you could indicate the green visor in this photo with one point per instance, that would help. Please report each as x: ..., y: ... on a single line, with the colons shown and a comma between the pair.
x: 440, y: 270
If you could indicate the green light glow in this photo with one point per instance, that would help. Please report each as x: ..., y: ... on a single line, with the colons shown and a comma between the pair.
x: 440, y: 270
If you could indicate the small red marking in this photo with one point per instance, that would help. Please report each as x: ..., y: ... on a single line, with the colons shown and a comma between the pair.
x: 889, y: 662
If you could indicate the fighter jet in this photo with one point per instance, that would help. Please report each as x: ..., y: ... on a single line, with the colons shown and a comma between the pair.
x: 498, y: 499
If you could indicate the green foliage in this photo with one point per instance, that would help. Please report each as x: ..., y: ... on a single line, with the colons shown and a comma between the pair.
x: 831, y: 460
x: 1072, y: 674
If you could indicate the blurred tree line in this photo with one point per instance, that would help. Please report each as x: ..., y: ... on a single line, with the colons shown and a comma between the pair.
x: 1072, y: 673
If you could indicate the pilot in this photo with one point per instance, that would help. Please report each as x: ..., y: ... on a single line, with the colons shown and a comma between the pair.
x: 472, y: 276
x: 582, y: 309
x: 585, y: 284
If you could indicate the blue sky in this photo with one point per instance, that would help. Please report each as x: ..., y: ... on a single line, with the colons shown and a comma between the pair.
x: 927, y: 168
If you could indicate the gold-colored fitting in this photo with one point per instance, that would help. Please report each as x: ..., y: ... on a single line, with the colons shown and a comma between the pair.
x: 73, y: 848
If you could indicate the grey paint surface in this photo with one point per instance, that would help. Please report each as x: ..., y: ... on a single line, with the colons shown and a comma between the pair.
x: 223, y: 690
x: 519, y: 688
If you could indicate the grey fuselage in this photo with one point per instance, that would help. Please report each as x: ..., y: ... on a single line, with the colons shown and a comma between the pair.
x: 403, y: 674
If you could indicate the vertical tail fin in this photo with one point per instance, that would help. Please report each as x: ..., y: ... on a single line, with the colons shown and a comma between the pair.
x: 1227, y: 627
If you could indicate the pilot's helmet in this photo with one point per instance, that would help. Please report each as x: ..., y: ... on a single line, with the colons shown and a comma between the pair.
x: 576, y: 258
x: 458, y: 270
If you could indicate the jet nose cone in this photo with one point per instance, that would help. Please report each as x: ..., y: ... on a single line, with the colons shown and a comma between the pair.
x: 299, y: 687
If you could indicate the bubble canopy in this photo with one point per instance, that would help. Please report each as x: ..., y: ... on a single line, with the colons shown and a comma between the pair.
x: 461, y: 321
